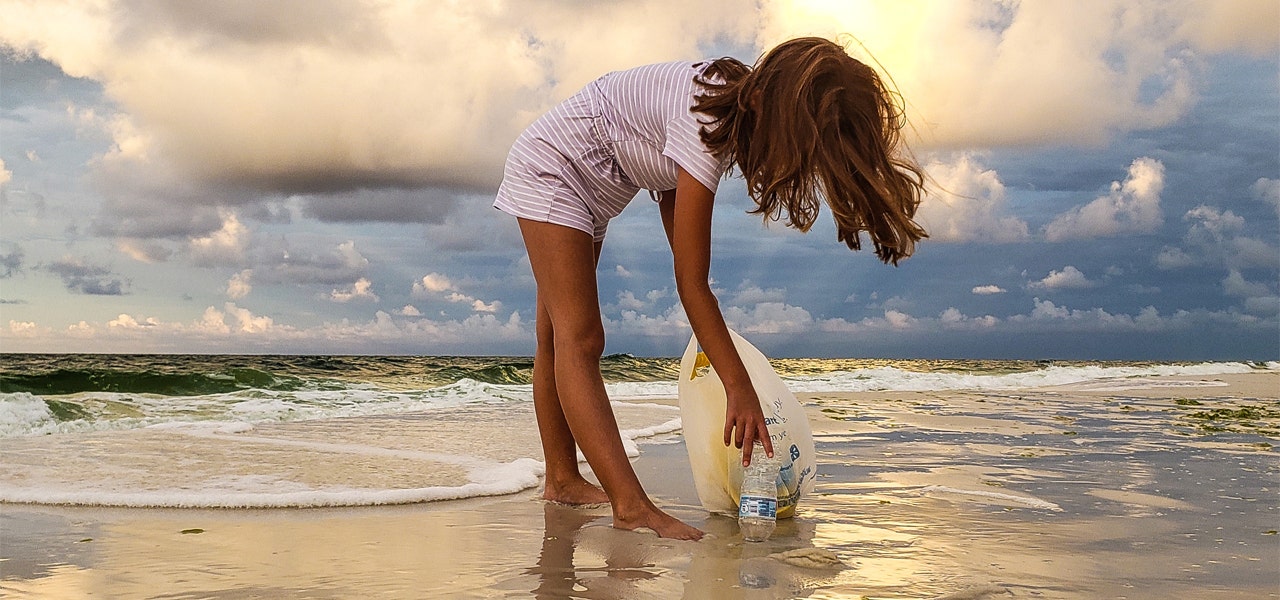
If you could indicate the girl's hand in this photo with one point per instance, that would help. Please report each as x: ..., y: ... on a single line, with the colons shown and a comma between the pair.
x: 744, y: 422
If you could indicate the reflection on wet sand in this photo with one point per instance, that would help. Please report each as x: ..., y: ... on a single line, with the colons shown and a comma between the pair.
x: 582, y: 557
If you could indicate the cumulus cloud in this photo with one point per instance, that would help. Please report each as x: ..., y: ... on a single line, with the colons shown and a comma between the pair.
x: 81, y: 330
x: 410, y: 310
x: 5, y: 174
x: 126, y: 321
x: 1267, y: 190
x: 432, y: 283
x: 1096, y: 318
x: 1131, y: 206
x: 1118, y: 66
x: 246, y: 321
x: 226, y: 246
x: 1258, y: 298
x: 898, y: 319
x: 748, y: 293
x: 987, y: 290
x: 11, y: 260
x: 437, y: 285
x: 1236, y: 285
x: 231, y: 328
x: 622, y: 271
x: 967, y: 203
x: 333, y: 266
x: 627, y: 299
x: 362, y: 289
x: 83, y: 278
x: 1068, y: 278
x: 205, y: 80
x: 240, y: 285
x: 23, y: 328
x: 952, y: 318
x: 1211, y: 225
x: 205, y: 119
x: 1215, y: 237
x: 145, y: 251
x: 769, y: 317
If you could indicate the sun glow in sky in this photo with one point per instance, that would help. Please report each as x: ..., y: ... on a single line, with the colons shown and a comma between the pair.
x: 315, y: 176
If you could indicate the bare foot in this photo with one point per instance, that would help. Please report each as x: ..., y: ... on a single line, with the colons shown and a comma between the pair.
x: 661, y: 523
x: 576, y: 493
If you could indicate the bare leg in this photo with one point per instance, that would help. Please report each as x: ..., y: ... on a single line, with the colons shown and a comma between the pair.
x: 564, y: 482
x: 563, y: 261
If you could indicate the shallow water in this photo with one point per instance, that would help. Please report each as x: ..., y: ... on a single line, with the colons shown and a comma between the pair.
x: 1163, y: 490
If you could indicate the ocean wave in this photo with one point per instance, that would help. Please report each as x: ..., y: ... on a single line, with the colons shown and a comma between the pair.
x: 24, y: 413
x: 254, y: 396
x: 891, y: 379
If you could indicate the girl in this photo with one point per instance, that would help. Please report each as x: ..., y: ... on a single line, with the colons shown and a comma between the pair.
x: 808, y: 122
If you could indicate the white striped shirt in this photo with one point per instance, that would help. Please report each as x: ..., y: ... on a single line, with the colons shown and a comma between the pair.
x: 581, y: 163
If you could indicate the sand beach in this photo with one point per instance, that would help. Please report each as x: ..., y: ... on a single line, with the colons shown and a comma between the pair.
x: 1152, y: 487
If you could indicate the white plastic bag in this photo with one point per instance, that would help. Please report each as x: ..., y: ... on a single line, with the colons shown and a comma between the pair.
x: 717, y: 469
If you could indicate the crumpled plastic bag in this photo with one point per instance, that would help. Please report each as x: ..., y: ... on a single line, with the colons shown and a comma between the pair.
x: 717, y: 469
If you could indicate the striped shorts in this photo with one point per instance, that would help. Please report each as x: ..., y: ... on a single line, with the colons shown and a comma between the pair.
x: 563, y: 170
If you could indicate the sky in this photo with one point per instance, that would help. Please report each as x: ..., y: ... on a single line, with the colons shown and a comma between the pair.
x: 316, y: 176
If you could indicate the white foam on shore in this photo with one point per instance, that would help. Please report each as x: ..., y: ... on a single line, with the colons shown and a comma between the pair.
x: 1023, y: 500
x: 894, y: 379
x: 23, y: 413
x: 344, y: 462
x: 265, y: 492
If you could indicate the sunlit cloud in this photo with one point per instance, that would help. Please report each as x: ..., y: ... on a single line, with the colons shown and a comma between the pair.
x: 1068, y: 278
x: 1131, y: 206
x: 226, y: 246
x: 983, y: 73
x: 240, y: 284
x: 435, y: 285
x: 966, y: 202
x: 362, y: 289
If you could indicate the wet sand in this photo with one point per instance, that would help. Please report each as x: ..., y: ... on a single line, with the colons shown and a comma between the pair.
x: 1155, y: 488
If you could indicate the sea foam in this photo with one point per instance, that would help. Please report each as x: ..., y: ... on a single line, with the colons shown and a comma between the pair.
x: 440, y: 454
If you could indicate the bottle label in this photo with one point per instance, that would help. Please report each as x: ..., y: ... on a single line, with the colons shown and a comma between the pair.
x: 758, y: 506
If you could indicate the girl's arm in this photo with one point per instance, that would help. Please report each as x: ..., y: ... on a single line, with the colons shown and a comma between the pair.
x: 686, y: 216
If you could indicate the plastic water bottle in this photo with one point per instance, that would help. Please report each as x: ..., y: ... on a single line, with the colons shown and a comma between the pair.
x: 758, y: 504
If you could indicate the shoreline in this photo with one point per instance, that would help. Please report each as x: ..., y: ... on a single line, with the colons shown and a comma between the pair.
x: 920, y: 495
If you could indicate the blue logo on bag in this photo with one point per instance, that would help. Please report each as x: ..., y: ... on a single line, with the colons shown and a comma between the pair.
x: 795, y: 452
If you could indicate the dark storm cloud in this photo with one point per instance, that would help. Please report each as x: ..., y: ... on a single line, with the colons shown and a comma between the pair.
x: 387, y: 206
x: 84, y: 278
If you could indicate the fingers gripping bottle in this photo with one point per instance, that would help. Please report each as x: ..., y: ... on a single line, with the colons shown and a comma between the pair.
x: 758, y: 505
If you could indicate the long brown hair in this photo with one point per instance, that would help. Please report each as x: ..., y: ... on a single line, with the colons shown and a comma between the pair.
x: 810, y: 121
